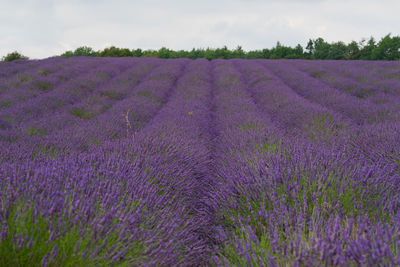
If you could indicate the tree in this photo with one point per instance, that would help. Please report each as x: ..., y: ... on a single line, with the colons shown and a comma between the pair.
x: 238, y: 52
x: 266, y: 53
x: 68, y: 53
x: 366, y: 50
x: 337, y: 50
x: 164, y: 52
x: 84, y: 51
x: 137, y: 52
x: 14, y: 56
x: 388, y: 48
x: 298, y: 51
x: 310, y: 47
x: 223, y: 52
x: 321, y: 49
x: 281, y: 51
x: 113, y: 51
x: 353, y: 51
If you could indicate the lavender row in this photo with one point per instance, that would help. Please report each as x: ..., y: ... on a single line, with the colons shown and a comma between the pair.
x: 135, y: 205
x: 374, y: 143
x: 178, y: 138
x: 359, y: 111
x: 282, y: 207
x: 10, y: 69
x: 350, y: 84
x: 47, y: 132
x: 383, y: 76
x: 128, y: 115
x: 196, y: 163
x: 50, y: 74
x: 86, y: 209
x: 66, y: 95
x: 294, y: 114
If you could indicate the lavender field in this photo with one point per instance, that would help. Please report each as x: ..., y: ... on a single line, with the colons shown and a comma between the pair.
x: 152, y: 162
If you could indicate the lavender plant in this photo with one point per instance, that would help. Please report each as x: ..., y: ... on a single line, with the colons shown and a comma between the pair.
x: 152, y: 162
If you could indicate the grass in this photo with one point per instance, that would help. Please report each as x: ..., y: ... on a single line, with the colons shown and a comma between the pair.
x: 24, y: 78
x: 332, y: 195
x: 102, y: 75
x: 43, y: 85
x: 5, y: 104
x: 271, y: 147
x: 322, y: 127
x: 265, y: 79
x: 111, y: 94
x: 43, y: 72
x: 363, y: 93
x: 248, y: 126
x: 361, y: 79
x: 81, y: 113
x: 229, y: 79
x: 318, y: 74
x: 33, y: 131
x: 30, y: 241
x: 149, y: 95
x: 161, y: 77
x: 146, y: 94
x: 46, y: 151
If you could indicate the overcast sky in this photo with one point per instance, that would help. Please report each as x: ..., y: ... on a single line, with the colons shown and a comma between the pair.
x: 44, y: 28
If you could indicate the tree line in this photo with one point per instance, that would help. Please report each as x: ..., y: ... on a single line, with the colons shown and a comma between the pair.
x: 387, y: 48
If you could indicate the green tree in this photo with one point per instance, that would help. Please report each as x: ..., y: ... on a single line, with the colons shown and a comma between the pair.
x: 68, y: 53
x: 266, y: 53
x: 321, y: 49
x: 137, y: 52
x: 388, y: 48
x: 196, y: 53
x: 113, y: 51
x: 14, y: 56
x: 337, y: 50
x: 310, y: 47
x: 164, y: 53
x: 150, y: 53
x: 353, y: 51
x: 209, y: 54
x: 223, y: 52
x: 281, y: 51
x: 238, y: 52
x: 299, y: 51
x: 85, y: 51
x: 367, y: 49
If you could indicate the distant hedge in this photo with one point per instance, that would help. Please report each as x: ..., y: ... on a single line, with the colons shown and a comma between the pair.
x: 388, y: 48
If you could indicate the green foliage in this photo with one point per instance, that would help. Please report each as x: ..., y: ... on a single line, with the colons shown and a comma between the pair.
x: 111, y: 94
x: 83, y: 51
x: 74, y: 246
x: 81, y: 113
x: 388, y: 48
x: 13, y: 56
x: 32, y: 131
x: 113, y: 51
x: 337, y: 193
x: 367, y: 49
x: 353, y: 50
x: 44, y: 72
x: 43, y: 85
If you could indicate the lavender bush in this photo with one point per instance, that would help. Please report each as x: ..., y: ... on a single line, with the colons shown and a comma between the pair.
x: 152, y: 162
